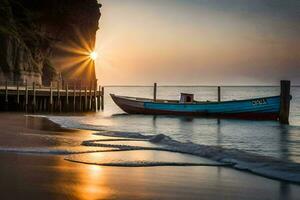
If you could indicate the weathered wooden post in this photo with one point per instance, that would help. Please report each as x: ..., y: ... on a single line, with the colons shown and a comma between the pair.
x: 85, y: 98
x: 34, y: 98
x: 18, y: 93
x: 26, y: 96
x: 74, y: 99
x: 51, y: 97
x: 45, y: 104
x: 285, y: 98
x: 90, y: 98
x: 58, y: 96
x: 154, y: 91
x: 80, y: 96
x: 102, y: 98
x: 98, y: 99
x: 95, y: 95
x: 67, y: 96
x: 6, y: 91
x: 63, y: 83
x: 219, y: 94
x: 38, y: 104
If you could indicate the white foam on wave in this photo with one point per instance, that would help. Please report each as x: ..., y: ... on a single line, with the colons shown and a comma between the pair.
x: 262, y: 165
x: 50, y: 151
x: 31, y: 150
x: 142, y: 158
x: 73, y: 123
x: 144, y: 163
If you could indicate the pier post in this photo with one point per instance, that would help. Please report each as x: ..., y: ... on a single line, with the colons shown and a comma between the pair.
x: 219, y: 94
x: 26, y: 96
x: 6, y: 91
x: 45, y: 104
x: 80, y: 96
x: 34, y: 98
x: 154, y: 91
x: 95, y: 95
x: 102, y: 98
x: 18, y: 93
x: 62, y: 83
x: 90, y: 98
x: 85, y: 98
x: 98, y: 99
x: 67, y: 96
x: 51, y: 97
x: 285, y: 97
x: 74, y: 99
x: 58, y: 96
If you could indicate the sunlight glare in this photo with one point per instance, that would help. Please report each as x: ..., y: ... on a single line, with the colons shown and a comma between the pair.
x: 93, y: 55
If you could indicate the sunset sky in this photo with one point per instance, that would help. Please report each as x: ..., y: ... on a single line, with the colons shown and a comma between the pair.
x: 198, y: 42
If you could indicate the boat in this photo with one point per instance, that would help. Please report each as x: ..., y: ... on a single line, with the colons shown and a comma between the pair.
x: 265, y: 108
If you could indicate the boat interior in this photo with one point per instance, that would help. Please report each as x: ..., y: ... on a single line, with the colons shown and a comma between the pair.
x: 184, y: 98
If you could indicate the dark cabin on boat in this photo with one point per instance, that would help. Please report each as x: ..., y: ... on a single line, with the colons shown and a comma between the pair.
x: 186, y: 98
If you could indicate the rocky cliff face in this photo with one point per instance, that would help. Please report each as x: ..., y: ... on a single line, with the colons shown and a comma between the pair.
x: 40, y: 40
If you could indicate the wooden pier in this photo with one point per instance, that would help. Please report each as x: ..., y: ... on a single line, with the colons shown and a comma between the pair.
x: 60, y: 96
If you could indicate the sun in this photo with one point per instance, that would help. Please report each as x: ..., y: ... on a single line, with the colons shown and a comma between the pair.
x: 93, y: 55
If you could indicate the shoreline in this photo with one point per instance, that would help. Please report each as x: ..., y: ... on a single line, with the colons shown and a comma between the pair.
x: 40, y: 166
x: 232, y: 158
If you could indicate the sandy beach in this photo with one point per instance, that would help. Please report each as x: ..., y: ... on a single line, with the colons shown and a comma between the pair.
x: 36, y: 175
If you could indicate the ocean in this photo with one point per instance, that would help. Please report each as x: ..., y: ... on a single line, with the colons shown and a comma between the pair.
x: 260, y: 142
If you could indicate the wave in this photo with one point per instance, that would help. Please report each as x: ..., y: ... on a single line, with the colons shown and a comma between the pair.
x: 30, y: 150
x: 43, y: 150
x: 258, y: 164
x: 146, y: 164
x: 131, y: 156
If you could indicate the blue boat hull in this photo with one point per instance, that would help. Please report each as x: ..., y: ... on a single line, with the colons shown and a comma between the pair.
x: 259, y: 108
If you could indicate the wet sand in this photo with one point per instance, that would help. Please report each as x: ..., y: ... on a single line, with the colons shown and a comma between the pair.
x: 36, y: 176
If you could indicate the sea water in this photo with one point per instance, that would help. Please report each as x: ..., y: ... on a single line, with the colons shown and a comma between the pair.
x: 263, y: 147
x: 268, y: 138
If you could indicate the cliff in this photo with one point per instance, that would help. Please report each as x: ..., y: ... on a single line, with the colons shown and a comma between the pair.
x: 41, y: 40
